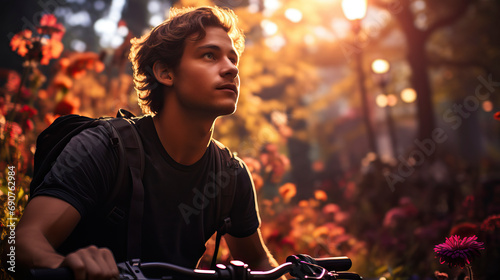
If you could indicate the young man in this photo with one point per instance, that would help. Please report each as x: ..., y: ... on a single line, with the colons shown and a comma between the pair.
x: 186, y: 75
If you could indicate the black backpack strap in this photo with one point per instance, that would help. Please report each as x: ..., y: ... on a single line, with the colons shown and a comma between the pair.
x: 229, y: 168
x: 122, y: 113
x: 130, y: 142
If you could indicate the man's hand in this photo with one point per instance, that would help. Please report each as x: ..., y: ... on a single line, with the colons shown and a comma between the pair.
x: 46, y: 223
x: 92, y: 263
x: 252, y: 251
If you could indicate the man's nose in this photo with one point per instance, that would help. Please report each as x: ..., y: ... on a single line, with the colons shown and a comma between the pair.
x: 230, y: 69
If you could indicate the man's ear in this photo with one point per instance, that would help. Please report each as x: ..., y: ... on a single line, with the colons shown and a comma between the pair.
x: 162, y: 73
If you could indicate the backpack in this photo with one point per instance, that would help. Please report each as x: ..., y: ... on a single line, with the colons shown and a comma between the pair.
x: 127, y: 142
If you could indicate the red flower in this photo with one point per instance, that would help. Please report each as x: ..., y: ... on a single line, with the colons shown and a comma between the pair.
x: 14, y: 131
x: 21, y: 42
x: 49, y: 26
x: 68, y: 105
x: 13, y: 80
x: 29, y: 111
x: 51, y: 49
x: 78, y: 64
x: 497, y: 116
x: 458, y: 252
x: 320, y: 195
x: 464, y: 229
x: 28, y: 125
x: 491, y: 223
x: 288, y: 191
x: 331, y: 208
x: 43, y: 47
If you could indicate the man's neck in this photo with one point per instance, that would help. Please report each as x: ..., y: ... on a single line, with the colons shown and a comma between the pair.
x: 184, y: 137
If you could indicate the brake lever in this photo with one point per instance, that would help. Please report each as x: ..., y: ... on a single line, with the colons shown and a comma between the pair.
x: 130, y: 270
x: 307, y: 270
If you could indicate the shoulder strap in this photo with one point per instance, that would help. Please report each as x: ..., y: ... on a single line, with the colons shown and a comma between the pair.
x: 132, y: 152
x: 228, y: 165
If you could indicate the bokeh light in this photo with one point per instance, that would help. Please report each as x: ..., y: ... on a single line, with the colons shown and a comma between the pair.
x: 487, y: 106
x: 293, y: 15
x: 381, y: 100
x: 155, y: 20
x: 408, y: 95
x: 380, y: 66
x: 354, y: 9
x: 78, y: 45
x: 270, y: 28
x: 154, y: 6
x: 392, y: 100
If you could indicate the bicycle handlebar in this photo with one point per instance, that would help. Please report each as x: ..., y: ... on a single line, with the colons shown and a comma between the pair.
x: 300, y: 266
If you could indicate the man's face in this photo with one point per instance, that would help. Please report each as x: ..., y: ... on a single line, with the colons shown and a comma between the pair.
x: 206, y: 81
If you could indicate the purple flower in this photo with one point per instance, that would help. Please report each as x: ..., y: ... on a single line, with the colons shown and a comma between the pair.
x: 458, y: 252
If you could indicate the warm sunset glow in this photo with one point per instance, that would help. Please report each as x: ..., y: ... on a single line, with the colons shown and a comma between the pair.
x: 354, y: 9
x: 380, y: 66
x: 293, y: 15
x: 408, y: 95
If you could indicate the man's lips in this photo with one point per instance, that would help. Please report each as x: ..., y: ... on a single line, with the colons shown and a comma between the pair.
x: 230, y: 87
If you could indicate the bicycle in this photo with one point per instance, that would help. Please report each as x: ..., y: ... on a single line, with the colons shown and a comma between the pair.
x: 299, y: 266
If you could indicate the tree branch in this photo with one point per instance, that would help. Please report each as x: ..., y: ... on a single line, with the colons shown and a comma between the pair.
x: 400, y: 10
x: 437, y: 61
x: 458, y: 12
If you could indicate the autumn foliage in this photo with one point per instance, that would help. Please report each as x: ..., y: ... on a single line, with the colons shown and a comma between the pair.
x: 336, y: 204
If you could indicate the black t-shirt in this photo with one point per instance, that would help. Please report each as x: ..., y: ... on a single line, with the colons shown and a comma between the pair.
x: 179, y: 215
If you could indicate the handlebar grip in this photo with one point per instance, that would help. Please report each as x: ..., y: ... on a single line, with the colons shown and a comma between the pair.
x: 61, y: 273
x: 334, y: 263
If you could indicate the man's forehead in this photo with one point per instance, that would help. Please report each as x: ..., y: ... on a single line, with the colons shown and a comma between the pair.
x: 214, y: 36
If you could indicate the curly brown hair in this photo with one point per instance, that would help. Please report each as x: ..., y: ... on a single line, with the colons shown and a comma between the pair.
x: 166, y: 42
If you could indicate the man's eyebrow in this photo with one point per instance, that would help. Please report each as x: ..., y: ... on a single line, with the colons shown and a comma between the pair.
x: 215, y: 47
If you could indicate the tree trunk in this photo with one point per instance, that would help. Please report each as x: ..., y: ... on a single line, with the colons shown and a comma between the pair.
x: 300, y: 162
x: 416, y: 40
x: 420, y: 81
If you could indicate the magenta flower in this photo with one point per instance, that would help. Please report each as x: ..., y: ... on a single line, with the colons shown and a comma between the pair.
x: 458, y: 252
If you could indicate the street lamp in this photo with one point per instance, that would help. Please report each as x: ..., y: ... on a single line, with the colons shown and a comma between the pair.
x: 355, y: 11
x: 380, y: 68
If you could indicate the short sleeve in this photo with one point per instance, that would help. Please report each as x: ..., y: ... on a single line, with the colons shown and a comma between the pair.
x: 245, y: 218
x: 83, y: 172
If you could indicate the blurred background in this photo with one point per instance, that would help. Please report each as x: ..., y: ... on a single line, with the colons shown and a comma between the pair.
x: 370, y: 127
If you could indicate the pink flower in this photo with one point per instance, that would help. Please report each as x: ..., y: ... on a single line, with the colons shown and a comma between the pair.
x: 458, y: 252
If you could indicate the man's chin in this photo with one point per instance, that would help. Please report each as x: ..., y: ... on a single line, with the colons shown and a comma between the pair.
x: 226, y: 111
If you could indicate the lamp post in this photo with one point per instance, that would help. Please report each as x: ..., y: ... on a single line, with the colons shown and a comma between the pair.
x: 380, y: 68
x: 355, y: 11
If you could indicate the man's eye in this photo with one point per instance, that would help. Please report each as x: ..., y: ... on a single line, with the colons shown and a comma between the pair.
x: 209, y: 55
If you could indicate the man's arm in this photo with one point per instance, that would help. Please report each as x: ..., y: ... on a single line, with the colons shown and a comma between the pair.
x: 252, y: 251
x: 45, y: 224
